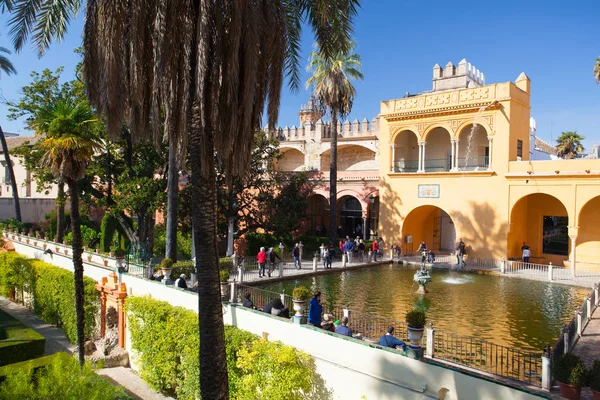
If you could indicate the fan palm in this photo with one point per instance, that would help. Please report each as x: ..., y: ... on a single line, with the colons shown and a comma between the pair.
x: 210, y: 68
x: 70, y: 144
x: 332, y: 87
x: 569, y: 144
x: 8, y: 68
x: 597, y: 70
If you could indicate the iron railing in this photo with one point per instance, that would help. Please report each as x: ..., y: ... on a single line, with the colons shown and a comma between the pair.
x: 406, y: 166
x: 438, y: 164
x: 473, y: 163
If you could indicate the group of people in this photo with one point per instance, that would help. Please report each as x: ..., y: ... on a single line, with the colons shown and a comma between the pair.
x: 274, y: 307
x: 266, y: 261
x: 427, y: 255
x: 356, y: 248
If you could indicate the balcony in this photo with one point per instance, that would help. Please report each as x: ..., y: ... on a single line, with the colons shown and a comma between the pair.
x: 406, y: 166
x: 473, y: 163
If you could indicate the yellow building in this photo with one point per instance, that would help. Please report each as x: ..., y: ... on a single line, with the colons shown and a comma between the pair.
x: 455, y: 163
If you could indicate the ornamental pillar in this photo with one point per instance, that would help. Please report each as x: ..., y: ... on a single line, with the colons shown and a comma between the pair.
x: 573, y: 253
x: 393, y: 147
x: 453, y: 160
x: 490, y: 152
x: 456, y: 154
x: 424, y: 159
x: 419, y: 169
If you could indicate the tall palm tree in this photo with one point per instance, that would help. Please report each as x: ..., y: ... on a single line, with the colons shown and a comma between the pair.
x: 569, y: 144
x: 70, y: 144
x: 210, y: 68
x: 597, y: 70
x: 8, y: 68
x: 332, y: 87
x: 172, y: 201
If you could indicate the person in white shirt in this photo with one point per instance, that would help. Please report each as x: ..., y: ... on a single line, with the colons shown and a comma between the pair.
x: 526, y: 252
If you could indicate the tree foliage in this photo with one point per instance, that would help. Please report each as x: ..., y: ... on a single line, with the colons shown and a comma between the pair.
x: 569, y: 144
x: 597, y: 70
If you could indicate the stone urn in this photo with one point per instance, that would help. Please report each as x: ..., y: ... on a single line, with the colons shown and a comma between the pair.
x: 299, y: 307
x: 415, y: 335
x: 422, y: 278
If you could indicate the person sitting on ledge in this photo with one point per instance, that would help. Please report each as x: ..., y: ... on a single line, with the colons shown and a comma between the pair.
x: 180, y: 282
x: 247, y: 302
x: 388, y: 340
x: 315, y: 310
x: 279, y: 310
x: 327, y: 323
x: 268, y: 307
x: 157, y: 276
x: 343, y: 329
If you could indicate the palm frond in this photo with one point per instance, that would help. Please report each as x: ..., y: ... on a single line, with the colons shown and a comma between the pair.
x: 597, y: 71
x: 5, y: 64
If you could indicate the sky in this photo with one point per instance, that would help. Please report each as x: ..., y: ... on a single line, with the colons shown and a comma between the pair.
x: 554, y: 42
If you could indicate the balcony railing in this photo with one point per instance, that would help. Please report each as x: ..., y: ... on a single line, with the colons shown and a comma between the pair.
x: 406, y: 166
x: 473, y: 163
x: 438, y: 165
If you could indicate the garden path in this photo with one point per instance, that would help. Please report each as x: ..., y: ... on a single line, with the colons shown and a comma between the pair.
x: 588, y: 345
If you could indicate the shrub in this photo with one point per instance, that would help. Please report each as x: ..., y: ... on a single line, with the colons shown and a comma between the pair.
x: 184, y: 243
x: 20, y: 342
x: 562, y: 367
x: 60, y: 379
x: 416, y: 319
x: 224, y: 275
x: 300, y: 293
x: 166, y: 263
x: 183, y: 267
x: 595, y: 376
x: 166, y: 337
x: 53, y: 292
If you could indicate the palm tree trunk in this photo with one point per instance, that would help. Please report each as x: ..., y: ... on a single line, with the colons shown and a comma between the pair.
x: 11, y: 173
x: 333, y: 179
x: 172, y: 200
x: 213, y: 364
x: 78, y: 267
x: 60, y: 212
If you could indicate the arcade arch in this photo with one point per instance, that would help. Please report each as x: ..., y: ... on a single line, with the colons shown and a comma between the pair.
x: 430, y: 224
x: 473, y: 149
x: 588, y: 240
x: 318, y: 214
x: 351, y: 158
x: 350, y: 215
x: 437, y: 150
x: 291, y: 160
x: 405, y: 152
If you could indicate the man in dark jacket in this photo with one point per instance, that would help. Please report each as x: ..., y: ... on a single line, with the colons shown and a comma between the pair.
x: 388, y: 340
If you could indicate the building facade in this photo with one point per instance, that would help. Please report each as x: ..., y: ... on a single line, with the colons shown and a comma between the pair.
x: 455, y: 162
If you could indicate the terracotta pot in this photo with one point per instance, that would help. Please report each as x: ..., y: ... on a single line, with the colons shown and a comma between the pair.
x: 106, y: 263
x: 224, y: 289
x: 596, y: 394
x: 569, y: 391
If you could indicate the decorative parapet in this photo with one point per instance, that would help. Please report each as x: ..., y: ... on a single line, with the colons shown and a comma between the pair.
x: 322, y: 131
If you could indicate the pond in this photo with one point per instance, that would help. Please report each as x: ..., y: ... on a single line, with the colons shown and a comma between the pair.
x: 507, y: 311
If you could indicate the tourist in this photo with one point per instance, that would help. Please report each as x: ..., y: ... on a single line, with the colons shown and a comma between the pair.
x: 380, y: 244
x: 331, y: 251
x: 423, y: 251
x: 343, y: 329
x: 361, y: 250
x: 327, y: 324
x: 375, y: 249
x: 460, y: 252
x: 342, y: 246
x: 526, y: 252
x: 279, y: 310
x: 349, y: 247
x: 318, y: 230
x: 261, y: 257
x: 315, y: 310
x: 325, y: 256
x: 358, y: 230
x: 430, y: 256
x: 388, y: 340
x: 180, y: 282
x: 272, y: 258
x: 157, y: 276
x: 247, y: 302
x: 398, y: 252
x: 296, y: 255
x: 268, y: 307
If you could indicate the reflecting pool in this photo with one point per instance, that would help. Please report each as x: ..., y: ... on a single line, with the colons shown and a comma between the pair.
x: 507, y: 311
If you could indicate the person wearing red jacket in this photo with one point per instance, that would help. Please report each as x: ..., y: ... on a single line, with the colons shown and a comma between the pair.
x: 375, y: 249
x: 261, y: 257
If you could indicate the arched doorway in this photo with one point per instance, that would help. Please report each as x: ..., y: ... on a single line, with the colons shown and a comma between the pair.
x: 541, y: 221
x: 350, y: 215
x: 406, y: 152
x: 588, y: 239
x: 318, y: 215
x: 473, y: 148
x: 438, y: 151
x: 430, y: 224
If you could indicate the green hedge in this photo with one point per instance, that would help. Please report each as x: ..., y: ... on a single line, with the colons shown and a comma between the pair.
x: 53, y: 292
x: 166, y: 340
x: 57, y: 377
x: 19, y: 342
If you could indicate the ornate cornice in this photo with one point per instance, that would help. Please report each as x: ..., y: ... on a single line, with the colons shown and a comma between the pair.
x: 441, y: 111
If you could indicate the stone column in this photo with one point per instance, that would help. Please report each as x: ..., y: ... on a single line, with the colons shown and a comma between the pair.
x: 490, y: 145
x: 393, y: 147
x: 424, y: 143
x: 420, y: 158
x: 364, y: 228
x: 453, y: 148
x: 456, y: 154
x: 573, y: 254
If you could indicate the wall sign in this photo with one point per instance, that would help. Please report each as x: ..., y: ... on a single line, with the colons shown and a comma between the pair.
x: 429, y: 191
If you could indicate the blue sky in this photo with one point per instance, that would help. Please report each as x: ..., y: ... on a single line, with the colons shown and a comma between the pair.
x: 554, y: 43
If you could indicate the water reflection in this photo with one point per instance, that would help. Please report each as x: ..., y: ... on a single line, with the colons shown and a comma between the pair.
x: 508, y: 311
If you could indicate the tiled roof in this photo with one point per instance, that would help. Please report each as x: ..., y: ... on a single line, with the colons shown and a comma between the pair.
x: 544, y: 146
x: 13, y: 142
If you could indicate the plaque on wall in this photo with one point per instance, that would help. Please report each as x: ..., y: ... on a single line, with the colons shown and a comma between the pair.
x: 429, y: 191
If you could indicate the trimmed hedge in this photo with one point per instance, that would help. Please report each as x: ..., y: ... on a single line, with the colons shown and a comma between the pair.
x: 166, y: 340
x: 20, y: 343
x: 35, y: 363
x: 58, y: 377
x: 53, y: 291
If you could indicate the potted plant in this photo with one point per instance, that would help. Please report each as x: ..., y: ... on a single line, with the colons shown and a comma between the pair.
x: 595, y: 380
x: 300, y: 295
x: 224, y: 276
x: 120, y: 257
x: 97, y: 249
x: 570, y: 373
x: 415, y: 320
x: 166, y: 266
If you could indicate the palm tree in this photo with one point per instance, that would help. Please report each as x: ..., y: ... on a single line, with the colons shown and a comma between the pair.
x: 8, y: 68
x: 172, y: 201
x: 333, y: 89
x: 211, y: 69
x: 597, y: 70
x: 70, y: 144
x: 569, y: 144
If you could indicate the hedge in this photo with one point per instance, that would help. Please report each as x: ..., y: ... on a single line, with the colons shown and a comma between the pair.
x: 166, y: 341
x: 19, y: 343
x: 53, y: 292
x: 57, y: 377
